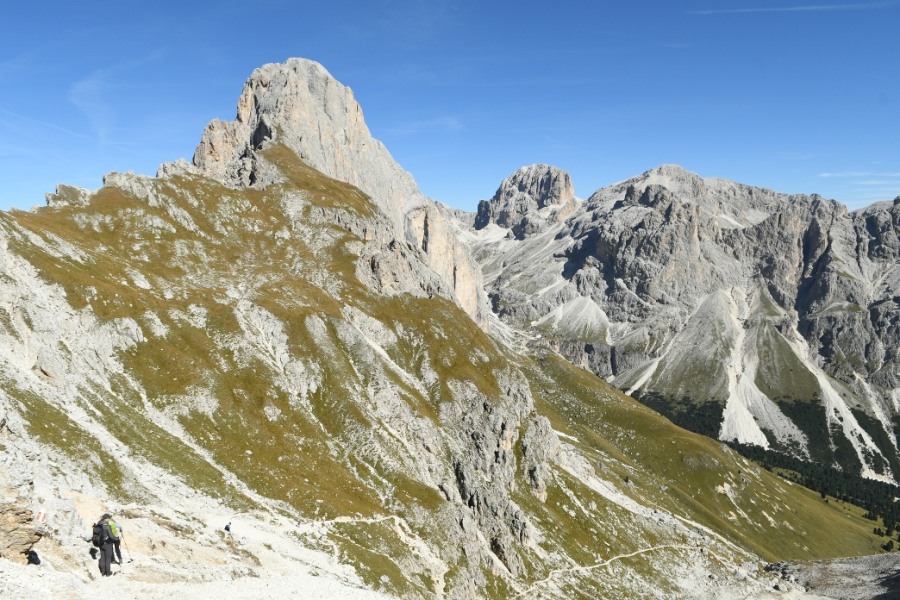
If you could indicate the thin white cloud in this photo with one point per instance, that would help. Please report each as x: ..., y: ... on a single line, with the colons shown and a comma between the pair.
x: 875, y: 182
x: 446, y: 124
x: 796, y: 8
x: 89, y: 95
x: 419, y: 74
x: 407, y: 22
x: 858, y: 174
x: 862, y: 188
x: 12, y: 67
x: 14, y: 121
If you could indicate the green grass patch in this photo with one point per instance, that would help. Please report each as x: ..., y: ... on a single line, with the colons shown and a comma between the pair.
x: 781, y: 374
x: 52, y: 426
x: 381, y: 559
x: 321, y: 189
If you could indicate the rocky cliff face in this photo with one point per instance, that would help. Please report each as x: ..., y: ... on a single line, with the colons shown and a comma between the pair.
x: 749, y: 315
x: 518, y: 202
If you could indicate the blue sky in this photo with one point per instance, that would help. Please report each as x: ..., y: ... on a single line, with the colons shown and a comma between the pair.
x: 798, y: 96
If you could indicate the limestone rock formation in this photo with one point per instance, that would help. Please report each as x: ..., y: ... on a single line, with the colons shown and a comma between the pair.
x: 430, y: 229
x: 68, y: 195
x: 747, y: 315
x: 518, y: 201
x: 298, y: 104
x: 18, y: 531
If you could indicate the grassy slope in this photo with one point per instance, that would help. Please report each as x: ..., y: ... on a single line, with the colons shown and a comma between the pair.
x: 680, y: 471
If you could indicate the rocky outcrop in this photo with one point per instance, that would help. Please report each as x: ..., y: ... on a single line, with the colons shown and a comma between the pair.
x: 431, y: 230
x: 67, y: 195
x: 540, y: 450
x: 486, y: 467
x: 18, y: 530
x: 521, y: 196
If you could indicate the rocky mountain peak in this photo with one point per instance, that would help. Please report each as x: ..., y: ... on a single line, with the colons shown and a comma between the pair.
x: 300, y: 105
x: 671, y: 171
x: 676, y: 179
x: 526, y: 191
x: 546, y: 184
x: 726, y: 203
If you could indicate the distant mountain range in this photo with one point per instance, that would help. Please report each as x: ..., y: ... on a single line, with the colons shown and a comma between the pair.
x: 744, y: 314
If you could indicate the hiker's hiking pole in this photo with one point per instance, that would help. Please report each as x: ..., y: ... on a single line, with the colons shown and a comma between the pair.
x: 125, y: 544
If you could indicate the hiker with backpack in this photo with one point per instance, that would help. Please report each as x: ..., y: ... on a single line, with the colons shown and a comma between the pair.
x: 116, y: 530
x: 103, y: 539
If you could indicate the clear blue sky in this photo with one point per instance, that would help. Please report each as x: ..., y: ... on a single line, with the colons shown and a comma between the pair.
x: 798, y: 96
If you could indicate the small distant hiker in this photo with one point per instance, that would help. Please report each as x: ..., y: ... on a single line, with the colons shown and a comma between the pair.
x: 103, y: 538
x: 228, y: 528
x: 116, y: 530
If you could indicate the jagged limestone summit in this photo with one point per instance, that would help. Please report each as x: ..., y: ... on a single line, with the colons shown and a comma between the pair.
x: 285, y: 335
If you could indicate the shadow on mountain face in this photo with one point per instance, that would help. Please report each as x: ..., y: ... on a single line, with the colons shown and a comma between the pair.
x: 892, y: 584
